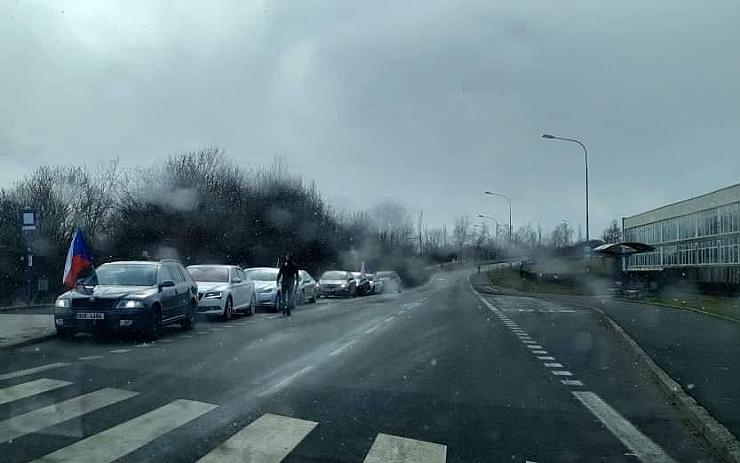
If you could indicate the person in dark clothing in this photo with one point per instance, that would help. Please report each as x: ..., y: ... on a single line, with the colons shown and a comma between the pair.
x: 287, y: 279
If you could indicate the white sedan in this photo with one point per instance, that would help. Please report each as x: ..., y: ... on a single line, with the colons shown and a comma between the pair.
x: 223, y: 290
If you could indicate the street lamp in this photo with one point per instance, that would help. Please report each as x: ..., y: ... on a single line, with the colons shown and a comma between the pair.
x: 509, y: 201
x: 483, y: 216
x: 585, y: 157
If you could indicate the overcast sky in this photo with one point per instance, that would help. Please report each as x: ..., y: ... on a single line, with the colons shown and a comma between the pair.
x: 429, y: 102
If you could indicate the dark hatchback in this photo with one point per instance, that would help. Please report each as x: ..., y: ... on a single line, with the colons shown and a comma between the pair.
x: 139, y: 296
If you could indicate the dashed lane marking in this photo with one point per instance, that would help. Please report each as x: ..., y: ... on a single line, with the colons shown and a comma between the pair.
x: 554, y: 365
x: 91, y: 357
x: 284, y: 382
x: 561, y: 373
x: 268, y: 440
x: 371, y: 329
x: 341, y: 349
x: 571, y: 382
x: 534, y: 346
x: 119, y: 351
x: 30, y: 371
x: 640, y: 445
x: 539, y: 352
x: 545, y: 357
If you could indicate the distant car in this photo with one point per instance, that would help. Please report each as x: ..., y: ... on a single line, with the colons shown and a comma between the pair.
x: 223, y: 290
x: 265, y: 283
x: 307, y: 288
x: 140, y: 296
x: 388, y: 282
x: 363, y: 285
x: 337, y: 283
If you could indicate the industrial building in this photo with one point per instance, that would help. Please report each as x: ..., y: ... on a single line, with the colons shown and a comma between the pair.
x: 696, y: 240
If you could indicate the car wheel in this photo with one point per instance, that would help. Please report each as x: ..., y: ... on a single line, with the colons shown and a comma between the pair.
x: 228, y: 309
x: 154, y: 328
x: 303, y: 297
x: 252, y: 306
x: 189, y: 322
x: 313, y: 299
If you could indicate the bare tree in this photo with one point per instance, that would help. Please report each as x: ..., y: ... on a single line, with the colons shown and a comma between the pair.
x: 612, y: 233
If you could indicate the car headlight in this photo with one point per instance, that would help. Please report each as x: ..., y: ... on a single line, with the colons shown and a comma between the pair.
x: 344, y: 285
x: 130, y: 304
x: 63, y: 303
x: 213, y: 295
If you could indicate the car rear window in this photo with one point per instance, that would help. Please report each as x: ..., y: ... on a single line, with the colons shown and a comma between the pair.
x: 263, y: 274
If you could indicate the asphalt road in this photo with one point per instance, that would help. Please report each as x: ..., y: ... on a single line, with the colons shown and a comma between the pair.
x: 434, y: 374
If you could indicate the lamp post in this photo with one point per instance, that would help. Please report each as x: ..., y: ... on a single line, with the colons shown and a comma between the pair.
x: 483, y: 216
x: 585, y: 158
x: 507, y: 200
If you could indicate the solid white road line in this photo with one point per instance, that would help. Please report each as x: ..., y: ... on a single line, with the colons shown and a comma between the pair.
x: 640, y: 445
x: 389, y: 319
x: 30, y: 371
x: 281, y: 384
x: 31, y: 388
x: 268, y: 440
x: 341, y: 349
x: 561, y: 373
x: 554, y: 365
x: 571, y: 382
x: 545, y: 357
x: 54, y: 414
x: 393, y: 449
x: 91, y: 357
x: 124, y: 438
x: 119, y: 351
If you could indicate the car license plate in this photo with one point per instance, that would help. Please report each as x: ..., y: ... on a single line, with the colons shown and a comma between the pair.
x: 90, y: 316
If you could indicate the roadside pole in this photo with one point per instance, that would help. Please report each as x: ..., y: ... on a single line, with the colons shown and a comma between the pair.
x: 28, y: 224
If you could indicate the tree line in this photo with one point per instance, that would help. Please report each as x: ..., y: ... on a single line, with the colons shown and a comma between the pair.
x: 198, y: 207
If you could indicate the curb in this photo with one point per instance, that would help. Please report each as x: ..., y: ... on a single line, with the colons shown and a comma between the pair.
x: 28, y: 342
x: 678, y: 307
x: 718, y: 436
x: 25, y: 307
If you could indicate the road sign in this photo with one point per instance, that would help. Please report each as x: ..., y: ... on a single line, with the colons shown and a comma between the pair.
x: 29, y: 219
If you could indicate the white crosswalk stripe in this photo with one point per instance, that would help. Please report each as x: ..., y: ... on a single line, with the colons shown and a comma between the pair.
x: 31, y: 388
x: 30, y: 371
x: 267, y: 440
x: 124, y: 438
x: 393, y: 449
x: 45, y: 417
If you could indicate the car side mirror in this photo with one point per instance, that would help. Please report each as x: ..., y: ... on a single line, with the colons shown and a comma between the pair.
x: 236, y: 280
x: 167, y: 284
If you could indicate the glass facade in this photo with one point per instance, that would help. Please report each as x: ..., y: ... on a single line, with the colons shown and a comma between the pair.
x: 706, y: 238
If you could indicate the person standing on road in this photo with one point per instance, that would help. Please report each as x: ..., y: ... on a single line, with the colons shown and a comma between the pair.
x: 287, y: 279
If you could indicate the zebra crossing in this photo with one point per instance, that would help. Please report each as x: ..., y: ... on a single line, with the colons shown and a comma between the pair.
x: 268, y: 439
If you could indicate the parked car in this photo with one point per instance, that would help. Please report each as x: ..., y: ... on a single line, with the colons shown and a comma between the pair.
x: 388, y: 282
x: 307, y: 288
x: 337, y: 283
x: 363, y: 285
x: 223, y: 290
x: 265, y: 283
x: 129, y: 295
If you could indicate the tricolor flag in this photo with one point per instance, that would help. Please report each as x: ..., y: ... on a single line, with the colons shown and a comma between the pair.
x: 79, y: 257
